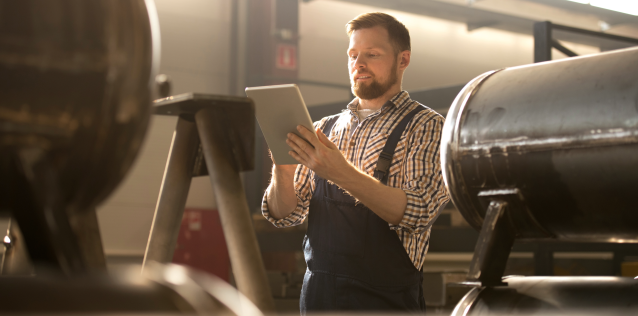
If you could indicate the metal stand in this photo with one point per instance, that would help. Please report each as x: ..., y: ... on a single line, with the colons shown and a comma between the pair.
x: 493, y: 246
x: 173, y: 193
x: 506, y: 218
x: 225, y: 126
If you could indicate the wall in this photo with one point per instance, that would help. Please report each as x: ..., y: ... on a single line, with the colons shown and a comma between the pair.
x: 443, y: 52
x: 195, y: 54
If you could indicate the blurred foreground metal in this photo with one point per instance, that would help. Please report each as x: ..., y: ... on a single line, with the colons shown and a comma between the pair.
x: 553, y: 296
x: 77, y: 82
x: 76, y: 89
x: 161, y: 289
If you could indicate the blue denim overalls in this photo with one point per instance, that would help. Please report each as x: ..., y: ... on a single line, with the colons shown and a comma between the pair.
x: 355, y: 262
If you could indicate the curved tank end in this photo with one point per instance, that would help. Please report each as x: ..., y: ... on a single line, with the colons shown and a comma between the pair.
x: 449, y: 146
x: 466, y: 303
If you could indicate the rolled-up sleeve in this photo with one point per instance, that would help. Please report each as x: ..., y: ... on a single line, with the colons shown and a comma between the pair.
x: 423, y: 183
x: 304, y: 188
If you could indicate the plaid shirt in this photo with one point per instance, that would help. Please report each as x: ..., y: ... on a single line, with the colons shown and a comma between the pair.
x: 415, y: 167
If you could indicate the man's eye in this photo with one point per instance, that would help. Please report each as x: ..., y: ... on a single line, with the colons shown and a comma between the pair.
x: 353, y: 57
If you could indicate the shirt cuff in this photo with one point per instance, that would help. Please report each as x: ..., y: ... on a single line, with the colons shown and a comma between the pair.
x: 416, y: 215
x: 291, y: 220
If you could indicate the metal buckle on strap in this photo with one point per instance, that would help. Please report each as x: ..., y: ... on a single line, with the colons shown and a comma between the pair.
x: 379, y: 175
x: 383, y: 165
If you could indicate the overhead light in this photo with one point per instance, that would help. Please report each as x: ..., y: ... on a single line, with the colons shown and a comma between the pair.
x: 623, y: 6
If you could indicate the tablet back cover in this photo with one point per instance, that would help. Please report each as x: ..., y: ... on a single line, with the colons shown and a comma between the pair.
x: 279, y: 109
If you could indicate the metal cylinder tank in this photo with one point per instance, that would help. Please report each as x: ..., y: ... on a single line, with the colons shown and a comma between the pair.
x: 563, y: 134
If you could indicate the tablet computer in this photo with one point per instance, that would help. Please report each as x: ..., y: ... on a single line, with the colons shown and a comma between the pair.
x: 279, y: 109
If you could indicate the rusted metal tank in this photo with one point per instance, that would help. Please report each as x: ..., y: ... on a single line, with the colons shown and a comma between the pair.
x: 560, y: 136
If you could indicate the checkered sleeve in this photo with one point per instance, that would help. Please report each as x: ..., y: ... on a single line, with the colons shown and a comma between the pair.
x: 423, y: 183
x: 304, y: 187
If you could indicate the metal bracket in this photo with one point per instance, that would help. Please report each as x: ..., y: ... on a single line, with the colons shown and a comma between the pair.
x: 493, y: 246
x: 522, y: 220
x: 506, y: 219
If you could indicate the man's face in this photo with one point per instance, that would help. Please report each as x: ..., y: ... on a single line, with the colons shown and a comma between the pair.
x: 372, y: 63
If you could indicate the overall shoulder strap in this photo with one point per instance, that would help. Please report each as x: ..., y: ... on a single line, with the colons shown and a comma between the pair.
x: 328, y: 127
x: 385, y: 158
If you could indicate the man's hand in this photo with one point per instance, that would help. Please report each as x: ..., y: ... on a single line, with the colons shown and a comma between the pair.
x: 324, y: 158
x: 319, y: 154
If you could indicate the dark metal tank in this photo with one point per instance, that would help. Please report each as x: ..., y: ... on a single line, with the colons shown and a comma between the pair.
x: 75, y: 92
x: 564, y: 134
x: 76, y: 82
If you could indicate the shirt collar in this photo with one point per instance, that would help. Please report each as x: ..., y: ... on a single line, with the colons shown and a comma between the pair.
x: 398, y: 100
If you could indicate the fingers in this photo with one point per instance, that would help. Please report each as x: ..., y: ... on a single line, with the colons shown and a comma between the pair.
x: 309, y: 153
x: 309, y: 135
x: 301, y: 143
x: 299, y: 146
x: 297, y: 157
x: 325, y: 140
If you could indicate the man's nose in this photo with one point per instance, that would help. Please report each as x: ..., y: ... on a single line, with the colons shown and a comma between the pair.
x: 360, y: 62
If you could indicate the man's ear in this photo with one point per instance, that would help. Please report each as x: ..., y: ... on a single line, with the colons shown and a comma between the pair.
x: 404, y: 59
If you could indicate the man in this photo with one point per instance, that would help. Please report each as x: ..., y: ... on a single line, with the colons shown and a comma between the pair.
x: 369, y: 218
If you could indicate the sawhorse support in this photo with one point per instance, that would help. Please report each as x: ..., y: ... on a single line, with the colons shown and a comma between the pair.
x: 221, y: 129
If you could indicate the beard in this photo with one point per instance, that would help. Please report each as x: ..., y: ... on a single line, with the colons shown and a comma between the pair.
x: 374, y: 89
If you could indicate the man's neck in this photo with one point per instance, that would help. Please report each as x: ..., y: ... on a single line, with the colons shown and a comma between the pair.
x: 377, y: 103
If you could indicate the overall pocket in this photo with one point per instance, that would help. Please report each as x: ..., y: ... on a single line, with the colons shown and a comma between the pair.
x: 348, y: 227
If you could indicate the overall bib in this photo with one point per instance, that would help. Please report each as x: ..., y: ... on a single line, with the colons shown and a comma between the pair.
x: 354, y: 260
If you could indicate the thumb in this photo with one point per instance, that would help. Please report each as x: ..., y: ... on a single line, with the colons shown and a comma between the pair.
x: 324, y: 139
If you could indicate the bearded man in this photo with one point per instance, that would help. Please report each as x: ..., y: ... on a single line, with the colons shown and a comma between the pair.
x: 368, y: 181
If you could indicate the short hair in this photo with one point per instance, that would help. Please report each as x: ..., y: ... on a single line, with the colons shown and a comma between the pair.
x: 398, y: 33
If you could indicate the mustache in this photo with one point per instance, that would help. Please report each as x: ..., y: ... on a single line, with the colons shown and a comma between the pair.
x: 358, y: 73
x: 355, y: 75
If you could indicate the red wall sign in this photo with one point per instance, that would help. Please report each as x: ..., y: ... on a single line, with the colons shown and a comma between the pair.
x: 201, y: 243
x: 286, y: 56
